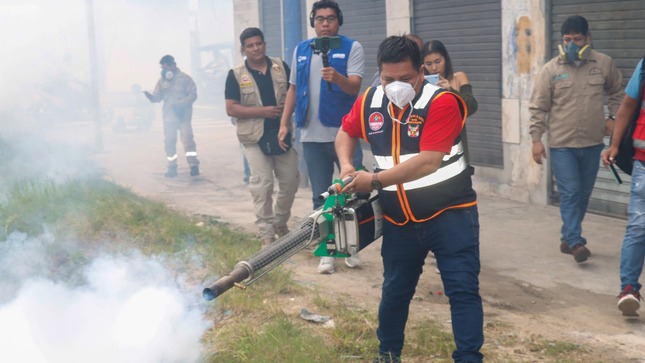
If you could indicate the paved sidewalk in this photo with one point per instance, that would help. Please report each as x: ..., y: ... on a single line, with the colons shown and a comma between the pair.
x: 522, y: 240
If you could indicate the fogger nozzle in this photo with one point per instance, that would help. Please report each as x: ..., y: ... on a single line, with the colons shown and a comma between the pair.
x: 239, y: 274
x: 336, y: 187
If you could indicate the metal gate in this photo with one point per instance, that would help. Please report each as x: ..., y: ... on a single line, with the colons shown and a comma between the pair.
x: 364, y: 21
x: 617, y: 29
x: 471, y: 31
x: 271, y: 25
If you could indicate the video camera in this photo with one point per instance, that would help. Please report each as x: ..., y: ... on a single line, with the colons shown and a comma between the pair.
x: 325, y: 44
x: 322, y: 45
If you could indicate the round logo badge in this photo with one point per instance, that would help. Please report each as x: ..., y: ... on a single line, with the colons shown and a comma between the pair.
x: 376, y: 121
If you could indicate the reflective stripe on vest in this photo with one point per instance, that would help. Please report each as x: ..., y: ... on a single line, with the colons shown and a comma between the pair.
x: 444, y: 173
x: 392, y: 143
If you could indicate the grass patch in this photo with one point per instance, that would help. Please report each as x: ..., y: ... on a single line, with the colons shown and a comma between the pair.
x: 250, y: 326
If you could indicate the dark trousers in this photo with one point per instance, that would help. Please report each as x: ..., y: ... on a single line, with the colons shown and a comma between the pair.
x: 453, y: 236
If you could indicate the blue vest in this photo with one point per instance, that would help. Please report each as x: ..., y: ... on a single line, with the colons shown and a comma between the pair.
x: 334, y: 104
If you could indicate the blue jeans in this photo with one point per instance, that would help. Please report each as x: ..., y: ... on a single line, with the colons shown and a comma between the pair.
x: 247, y: 169
x: 453, y: 236
x: 320, y: 158
x: 575, y: 171
x: 632, y: 254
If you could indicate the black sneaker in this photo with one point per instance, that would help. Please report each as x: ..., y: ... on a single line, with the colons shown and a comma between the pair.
x: 387, y: 358
x: 172, y: 172
x: 194, y: 170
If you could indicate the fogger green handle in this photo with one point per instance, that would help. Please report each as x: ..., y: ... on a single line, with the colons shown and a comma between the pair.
x: 336, y: 187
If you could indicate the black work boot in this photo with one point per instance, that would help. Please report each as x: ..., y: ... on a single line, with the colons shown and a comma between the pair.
x: 172, y: 172
x: 194, y: 170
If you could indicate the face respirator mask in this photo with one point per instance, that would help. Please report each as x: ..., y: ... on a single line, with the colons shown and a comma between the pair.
x: 573, y: 53
x: 400, y: 93
x: 167, y: 75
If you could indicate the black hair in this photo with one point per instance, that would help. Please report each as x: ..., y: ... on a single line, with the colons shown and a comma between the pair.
x: 417, y: 39
x: 436, y: 46
x: 168, y: 60
x: 325, y: 4
x: 250, y: 33
x: 396, y: 49
x: 575, y: 24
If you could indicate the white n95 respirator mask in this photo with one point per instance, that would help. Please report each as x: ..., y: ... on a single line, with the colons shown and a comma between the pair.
x: 400, y: 93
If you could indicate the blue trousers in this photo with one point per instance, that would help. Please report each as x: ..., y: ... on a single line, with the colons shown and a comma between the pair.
x: 575, y: 171
x: 453, y: 236
x: 632, y: 254
x: 321, y: 158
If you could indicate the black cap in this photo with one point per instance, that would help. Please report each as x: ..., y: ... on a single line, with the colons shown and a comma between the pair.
x: 167, y: 59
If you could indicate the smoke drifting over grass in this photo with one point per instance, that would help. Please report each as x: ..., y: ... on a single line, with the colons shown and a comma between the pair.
x: 112, y: 309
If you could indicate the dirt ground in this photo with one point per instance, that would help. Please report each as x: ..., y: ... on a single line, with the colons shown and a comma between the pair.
x: 520, y: 303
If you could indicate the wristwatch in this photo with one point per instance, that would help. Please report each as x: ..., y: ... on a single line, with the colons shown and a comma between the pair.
x: 612, y: 117
x: 375, y: 183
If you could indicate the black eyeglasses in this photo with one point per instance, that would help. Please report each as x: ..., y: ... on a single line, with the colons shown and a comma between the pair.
x: 330, y: 19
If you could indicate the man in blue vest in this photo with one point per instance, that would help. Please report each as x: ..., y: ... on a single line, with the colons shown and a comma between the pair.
x: 424, y: 184
x: 321, y: 96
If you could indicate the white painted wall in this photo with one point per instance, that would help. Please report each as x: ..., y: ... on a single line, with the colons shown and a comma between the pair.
x: 523, y: 54
x: 398, y: 16
x: 246, y: 14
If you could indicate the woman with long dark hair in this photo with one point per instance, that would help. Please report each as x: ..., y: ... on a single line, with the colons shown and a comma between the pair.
x: 436, y: 60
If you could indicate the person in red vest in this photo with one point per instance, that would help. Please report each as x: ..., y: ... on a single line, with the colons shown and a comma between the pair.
x: 425, y: 190
x: 632, y: 254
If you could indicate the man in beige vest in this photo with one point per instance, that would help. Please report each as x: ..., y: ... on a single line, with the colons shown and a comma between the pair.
x: 255, y: 94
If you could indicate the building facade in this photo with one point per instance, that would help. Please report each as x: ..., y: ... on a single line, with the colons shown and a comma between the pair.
x: 501, y: 45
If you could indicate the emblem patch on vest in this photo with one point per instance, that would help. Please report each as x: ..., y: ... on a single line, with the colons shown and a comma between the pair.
x: 413, y: 130
x: 416, y: 119
x: 245, y: 81
x: 376, y: 121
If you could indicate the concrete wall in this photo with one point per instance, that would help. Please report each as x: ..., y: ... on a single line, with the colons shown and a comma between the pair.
x: 247, y: 14
x: 398, y: 16
x: 523, y: 54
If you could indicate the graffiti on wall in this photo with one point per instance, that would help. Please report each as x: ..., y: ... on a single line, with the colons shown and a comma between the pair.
x: 524, y: 43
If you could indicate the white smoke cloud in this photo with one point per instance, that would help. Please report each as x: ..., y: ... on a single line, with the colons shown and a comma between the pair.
x: 125, y: 309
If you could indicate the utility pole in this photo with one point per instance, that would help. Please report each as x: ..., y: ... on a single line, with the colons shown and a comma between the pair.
x: 94, y: 79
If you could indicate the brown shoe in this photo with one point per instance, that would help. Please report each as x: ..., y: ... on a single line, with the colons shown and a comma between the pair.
x: 564, y: 248
x: 580, y: 253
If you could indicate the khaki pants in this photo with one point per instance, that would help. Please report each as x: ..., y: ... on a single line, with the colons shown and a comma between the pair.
x: 263, y: 168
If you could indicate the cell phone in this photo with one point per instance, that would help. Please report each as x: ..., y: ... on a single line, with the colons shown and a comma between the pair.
x: 432, y: 78
x: 614, y: 172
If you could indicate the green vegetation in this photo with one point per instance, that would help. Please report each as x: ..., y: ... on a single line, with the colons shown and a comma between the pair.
x: 254, y: 326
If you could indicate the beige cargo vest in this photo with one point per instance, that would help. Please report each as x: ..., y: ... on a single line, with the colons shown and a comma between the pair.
x: 250, y: 130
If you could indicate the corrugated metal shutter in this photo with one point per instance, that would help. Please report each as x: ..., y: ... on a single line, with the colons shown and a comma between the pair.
x: 271, y: 25
x: 471, y: 30
x: 364, y: 21
x: 618, y: 30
